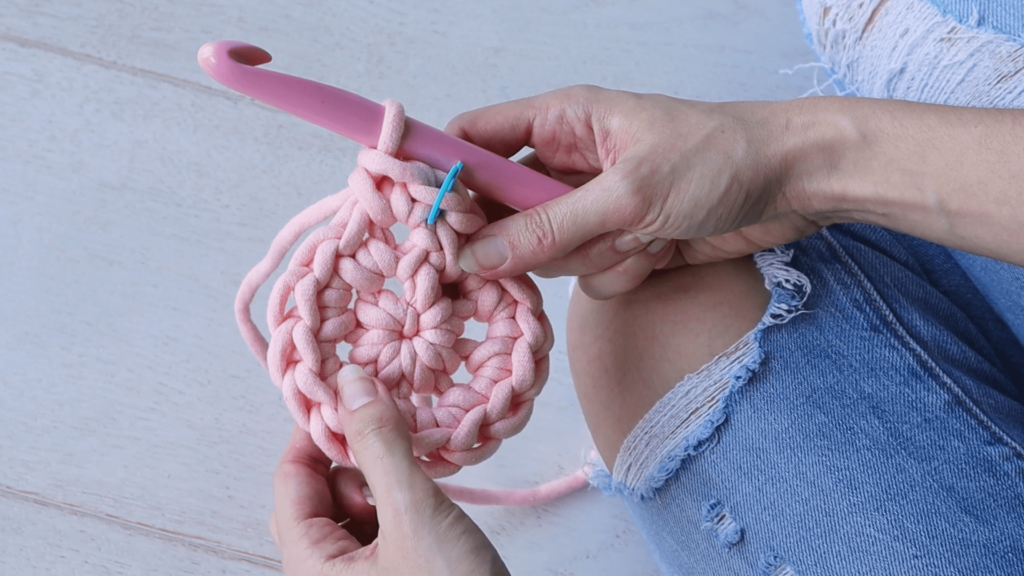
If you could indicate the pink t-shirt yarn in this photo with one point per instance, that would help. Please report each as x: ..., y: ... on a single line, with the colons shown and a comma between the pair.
x: 333, y: 291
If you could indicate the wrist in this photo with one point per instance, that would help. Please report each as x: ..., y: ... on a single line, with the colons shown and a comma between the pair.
x: 821, y: 140
x: 945, y: 174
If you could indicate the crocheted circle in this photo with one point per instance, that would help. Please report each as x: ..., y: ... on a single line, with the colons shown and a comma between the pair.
x: 333, y: 291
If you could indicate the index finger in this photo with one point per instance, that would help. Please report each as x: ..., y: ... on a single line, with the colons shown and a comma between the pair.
x: 504, y: 128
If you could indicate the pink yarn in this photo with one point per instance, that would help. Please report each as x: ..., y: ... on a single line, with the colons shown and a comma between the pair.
x: 333, y: 291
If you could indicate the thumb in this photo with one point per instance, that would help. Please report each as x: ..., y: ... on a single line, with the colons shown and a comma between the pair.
x: 530, y: 239
x: 380, y: 441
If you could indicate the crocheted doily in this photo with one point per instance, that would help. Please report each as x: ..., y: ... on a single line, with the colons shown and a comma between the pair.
x: 333, y: 291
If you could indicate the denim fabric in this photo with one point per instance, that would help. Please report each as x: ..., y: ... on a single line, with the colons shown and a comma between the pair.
x: 1001, y: 283
x: 997, y: 16
x: 882, y: 433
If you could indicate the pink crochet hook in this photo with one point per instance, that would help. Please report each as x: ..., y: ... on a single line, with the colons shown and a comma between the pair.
x: 234, y: 64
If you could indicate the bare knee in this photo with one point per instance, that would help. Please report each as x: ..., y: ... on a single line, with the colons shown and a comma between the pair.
x: 628, y: 352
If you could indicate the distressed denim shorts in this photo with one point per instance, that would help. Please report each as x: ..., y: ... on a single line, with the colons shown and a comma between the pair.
x: 873, y: 422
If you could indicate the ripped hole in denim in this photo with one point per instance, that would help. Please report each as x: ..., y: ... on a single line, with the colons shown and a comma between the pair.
x: 721, y: 523
x: 685, y: 421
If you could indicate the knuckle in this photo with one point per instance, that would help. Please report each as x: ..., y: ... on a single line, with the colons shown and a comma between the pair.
x: 595, y: 253
x: 537, y: 233
x: 620, y: 280
x: 456, y: 126
x: 586, y: 91
x: 284, y: 474
x: 635, y: 198
x: 576, y: 91
x: 278, y: 479
x: 373, y: 429
x: 632, y: 197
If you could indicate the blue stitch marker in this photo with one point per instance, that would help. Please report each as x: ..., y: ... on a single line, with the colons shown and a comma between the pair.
x: 449, y: 182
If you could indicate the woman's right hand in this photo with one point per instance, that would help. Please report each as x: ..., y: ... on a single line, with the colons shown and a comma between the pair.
x: 661, y: 182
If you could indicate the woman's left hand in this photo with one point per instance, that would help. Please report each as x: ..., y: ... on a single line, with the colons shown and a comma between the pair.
x: 388, y: 519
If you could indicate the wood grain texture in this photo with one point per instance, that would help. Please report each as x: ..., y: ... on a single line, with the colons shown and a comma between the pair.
x: 39, y: 536
x: 137, y: 433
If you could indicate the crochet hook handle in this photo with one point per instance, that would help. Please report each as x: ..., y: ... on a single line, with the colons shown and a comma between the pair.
x: 234, y: 64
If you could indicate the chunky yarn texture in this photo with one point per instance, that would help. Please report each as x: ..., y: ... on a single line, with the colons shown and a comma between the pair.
x: 333, y: 291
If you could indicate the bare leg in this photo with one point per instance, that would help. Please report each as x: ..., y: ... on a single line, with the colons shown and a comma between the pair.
x: 628, y: 352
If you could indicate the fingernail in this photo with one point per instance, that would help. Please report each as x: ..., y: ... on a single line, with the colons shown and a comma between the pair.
x: 657, y: 245
x: 356, y: 387
x: 485, y: 254
x: 629, y: 241
x: 369, y: 496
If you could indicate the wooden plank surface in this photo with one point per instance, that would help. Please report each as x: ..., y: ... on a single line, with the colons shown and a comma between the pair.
x: 137, y: 433
x: 40, y: 536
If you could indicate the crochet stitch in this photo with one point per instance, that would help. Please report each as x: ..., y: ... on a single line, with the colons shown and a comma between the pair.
x: 333, y: 291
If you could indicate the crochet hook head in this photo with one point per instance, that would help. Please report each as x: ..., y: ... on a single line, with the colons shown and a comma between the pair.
x: 235, y: 65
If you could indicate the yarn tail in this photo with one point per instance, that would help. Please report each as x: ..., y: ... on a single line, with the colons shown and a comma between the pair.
x: 529, y: 497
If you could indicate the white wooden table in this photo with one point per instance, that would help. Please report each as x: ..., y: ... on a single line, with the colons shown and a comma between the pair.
x: 137, y: 433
